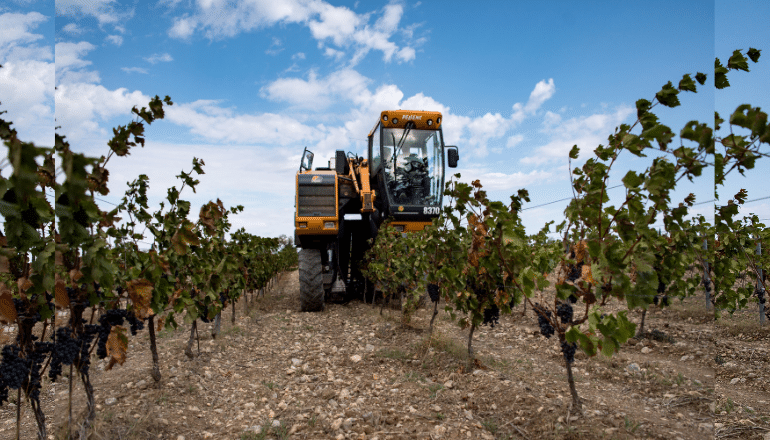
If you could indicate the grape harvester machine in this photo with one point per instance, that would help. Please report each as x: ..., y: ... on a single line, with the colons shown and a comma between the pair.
x: 341, y: 206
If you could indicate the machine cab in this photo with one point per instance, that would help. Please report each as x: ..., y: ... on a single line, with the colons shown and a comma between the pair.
x: 407, y: 166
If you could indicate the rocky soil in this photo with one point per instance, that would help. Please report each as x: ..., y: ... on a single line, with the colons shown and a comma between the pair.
x: 352, y: 373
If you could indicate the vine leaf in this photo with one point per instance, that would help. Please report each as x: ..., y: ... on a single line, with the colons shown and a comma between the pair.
x: 60, y: 293
x: 75, y: 275
x: 24, y: 284
x: 117, y: 345
x: 140, y: 292
x: 184, y: 237
x: 7, y: 309
x: 753, y: 54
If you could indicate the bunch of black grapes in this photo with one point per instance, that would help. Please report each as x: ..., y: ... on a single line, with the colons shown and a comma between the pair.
x: 661, y: 298
x: 433, y: 292
x: 64, y: 352
x: 36, y: 359
x: 575, y: 272
x: 568, y: 350
x: 565, y: 313
x: 491, y: 316
x: 112, y: 318
x: 543, y: 320
x: 13, y: 370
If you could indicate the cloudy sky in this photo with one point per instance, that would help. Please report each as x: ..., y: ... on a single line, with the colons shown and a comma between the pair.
x: 255, y: 81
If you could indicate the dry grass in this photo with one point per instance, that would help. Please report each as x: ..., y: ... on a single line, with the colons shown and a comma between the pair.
x: 745, y: 323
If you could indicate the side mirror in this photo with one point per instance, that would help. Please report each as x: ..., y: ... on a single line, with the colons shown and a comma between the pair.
x: 307, y: 160
x: 452, y: 156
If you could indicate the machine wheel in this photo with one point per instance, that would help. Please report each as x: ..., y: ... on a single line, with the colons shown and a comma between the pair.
x: 311, y: 289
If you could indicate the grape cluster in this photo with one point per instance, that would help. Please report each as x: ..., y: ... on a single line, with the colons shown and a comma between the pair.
x: 543, y: 315
x: 13, y: 370
x: 433, y: 291
x: 760, y: 292
x: 568, y: 350
x: 109, y: 319
x: 84, y: 341
x: 65, y: 351
x: 36, y: 359
x: 135, y: 323
x: 565, y: 313
x: 572, y: 298
x: 491, y: 316
x: 205, y: 314
x: 575, y: 272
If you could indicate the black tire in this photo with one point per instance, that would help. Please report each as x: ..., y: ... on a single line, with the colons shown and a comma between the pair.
x: 311, y: 289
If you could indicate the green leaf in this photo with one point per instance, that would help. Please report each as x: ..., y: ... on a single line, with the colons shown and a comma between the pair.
x: 738, y: 62
x: 642, y: 107
x: 632, y: 180
x: 720, y: 75
x: 701, y: 78
x: 687, y: 83
x: 573, y: 153
x: 668, y: 95
x: 584, y: 341
x: 753, y: 54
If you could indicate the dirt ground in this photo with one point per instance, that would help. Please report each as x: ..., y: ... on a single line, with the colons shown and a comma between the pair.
x: 351, y: 373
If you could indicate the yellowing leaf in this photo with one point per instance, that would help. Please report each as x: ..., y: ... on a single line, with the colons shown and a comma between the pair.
x: 586, y: 274
x: 24, y: 284
x: 140, y: 292
x: 60, y: 293
x: 7, y: 309
x: 184, y: 237
x: 581, y: 251
x: 117, y: 345
x: 75, y: 275
x: 161, y: 321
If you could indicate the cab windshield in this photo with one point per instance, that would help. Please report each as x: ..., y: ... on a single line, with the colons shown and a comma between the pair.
x: 412, y: 167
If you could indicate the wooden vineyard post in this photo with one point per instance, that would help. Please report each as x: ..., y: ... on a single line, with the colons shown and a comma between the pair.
x: 760, y: 289
x: 706, y: 278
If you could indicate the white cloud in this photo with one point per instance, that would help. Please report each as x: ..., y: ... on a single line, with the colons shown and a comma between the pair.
x: 315, y: 93
x: 68, y: 55
x: 514, y: 140
x: 134, y: 70
x: 26, y: 78
x: 207, y: 120
x: 551, y: 119
x: 334, y: 23
x: 117, y: 40
x: 480, y: 134
x: 72, y: 29
x: 298, y: 56
x: 496, y: 181
x: 275, y: 47
x: 183, y: 28
x: 157, y: 58
x: 103, y: 10
x: 70, y: 63
x: 542, y: 92
x: 406, y: 54
x: 80, y: 107
x: 26, y: 88
x: 337, y: 26
x: 17, y: 42
x: 266, y: 206
x: 334, y: 53
x: 587, y: 132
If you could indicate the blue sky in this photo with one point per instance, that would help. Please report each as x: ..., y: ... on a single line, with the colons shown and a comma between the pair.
x: 255, y: 81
